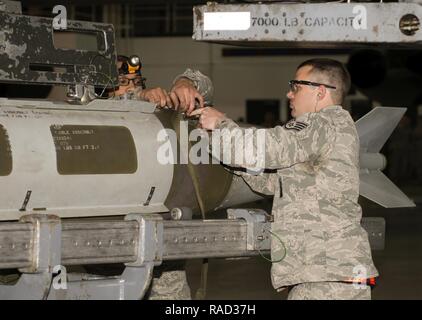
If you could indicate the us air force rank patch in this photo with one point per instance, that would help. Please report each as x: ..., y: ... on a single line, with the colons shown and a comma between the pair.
x: 295, y: 125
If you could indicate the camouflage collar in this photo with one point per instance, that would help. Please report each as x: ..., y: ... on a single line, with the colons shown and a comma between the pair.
x: 306, y: 115
x: 331, y: 108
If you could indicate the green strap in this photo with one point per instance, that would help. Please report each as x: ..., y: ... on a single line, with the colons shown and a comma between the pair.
x: 202, y: 290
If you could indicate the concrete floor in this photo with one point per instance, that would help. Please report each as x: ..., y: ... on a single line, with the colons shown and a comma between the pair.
x: 399, y: 264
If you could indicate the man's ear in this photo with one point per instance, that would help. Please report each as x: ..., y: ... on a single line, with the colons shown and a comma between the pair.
x: 322, y: 91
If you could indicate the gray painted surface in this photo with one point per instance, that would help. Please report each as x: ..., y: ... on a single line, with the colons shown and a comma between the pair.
x: 28, y: 43
x: 315, y: 25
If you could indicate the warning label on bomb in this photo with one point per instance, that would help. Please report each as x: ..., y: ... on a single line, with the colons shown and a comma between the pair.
x: 91, y: 149
x: 5, y: 153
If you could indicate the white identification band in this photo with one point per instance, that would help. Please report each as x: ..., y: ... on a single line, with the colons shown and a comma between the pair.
x: 227, y: 21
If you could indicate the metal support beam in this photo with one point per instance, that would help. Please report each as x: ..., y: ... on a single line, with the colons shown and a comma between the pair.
x: 239, y: 236
x: 135, y: 279
x: 44, y: 253
x: 309, y: 25
x: 147, y: 240
x: 39, y: 243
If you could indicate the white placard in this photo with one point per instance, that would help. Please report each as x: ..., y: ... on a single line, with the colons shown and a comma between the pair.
x: 227, y: 21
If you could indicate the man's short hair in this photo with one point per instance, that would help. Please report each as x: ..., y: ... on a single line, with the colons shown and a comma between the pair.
x: 331, y: 72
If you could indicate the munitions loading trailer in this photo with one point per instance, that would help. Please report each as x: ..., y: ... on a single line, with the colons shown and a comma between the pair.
x: 42, y: 241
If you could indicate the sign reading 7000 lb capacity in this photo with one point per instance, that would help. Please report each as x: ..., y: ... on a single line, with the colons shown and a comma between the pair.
x: 266, y: 17
x: 306, y: 22
x: 356, y: 19
x: 310, y: 23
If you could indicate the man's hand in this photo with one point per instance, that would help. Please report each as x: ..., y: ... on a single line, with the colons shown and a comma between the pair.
x: 183, y: 95
x: 209, y: 118
x: 156, y: 95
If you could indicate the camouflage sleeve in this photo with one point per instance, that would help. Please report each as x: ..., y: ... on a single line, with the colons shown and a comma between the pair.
x: 297, y: 141
x: 264, y: 183
x: 202, y: 83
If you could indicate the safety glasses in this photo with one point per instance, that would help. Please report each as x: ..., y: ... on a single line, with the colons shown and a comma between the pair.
x: 123, y: 81
x: 294, y: 84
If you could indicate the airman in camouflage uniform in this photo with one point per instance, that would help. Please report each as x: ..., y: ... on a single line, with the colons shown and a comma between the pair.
x: 169, y: 280
x: 319, y: 246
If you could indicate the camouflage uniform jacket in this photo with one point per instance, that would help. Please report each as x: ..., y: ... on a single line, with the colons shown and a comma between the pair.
x: 172, y: 282
x: 201, y: 82
x: 315, y: 183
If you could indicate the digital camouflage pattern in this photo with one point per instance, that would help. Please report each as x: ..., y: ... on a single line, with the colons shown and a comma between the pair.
x: 329, y: 291
x: 315, y: 183
x: 202, y: 83
x: 169, y: 284
x: 28, y: 40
